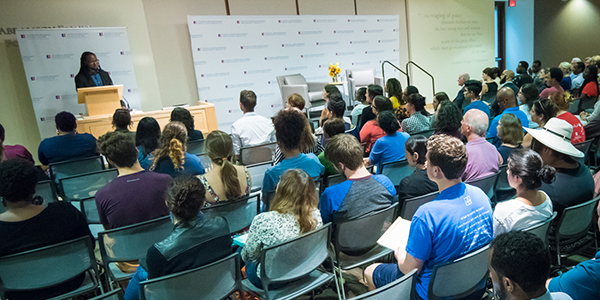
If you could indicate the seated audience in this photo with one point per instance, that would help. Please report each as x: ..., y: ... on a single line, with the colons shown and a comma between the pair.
x: 361, y: 193
x: 458, y: 221
x: 522, y: 77
x: 541, y: 112
x: 225, y: 181
x: 582, y: 282
x: 527, y: 95
x: 121, y: 121
x: 489, y: 87
x: 296, y: 101
x: 371, y: 132
x: 393, y: 88
x: 335, y: 108
x: 577, y: 75
x: 519, y: 266
x: 574, y: 183
x: 506, y: 80
x: 331, y: 128
x: 146, y: 137
x: 290, y: 128
x: 373, y: 91
x: 28, y: 223
x: 293, y: 212
x: 484, y: 159
x: 459, y: 100
x: 180, y: 114
x: 417, y: 183
x: 448, y: 121
x: 507, y: 103
x: 565, y: 68
x: 361, y: 98
x: 438, y: 99
x: 526, y: 172
x: 170, y: 157
x: 562, y: 102
x: 14, y: 151
x: 309, y: 143
x: 542, y: 82
x: 136, y: 195
x: 589, y: 92
x: 329, y: 91
x: 554, y: 78
x: 195, y: 241
x: 388, y: 148
x: 410, y: 90
x: 536, y: 73
x: 472, y: 100
x: 68, y: 144
x: 251, y: 129
x: 510, y: 133
x: 417, y: 122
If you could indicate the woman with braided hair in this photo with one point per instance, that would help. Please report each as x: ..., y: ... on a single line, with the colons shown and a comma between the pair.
x: 196, y: 239
x: 225, y: 181
x: 171, y: 157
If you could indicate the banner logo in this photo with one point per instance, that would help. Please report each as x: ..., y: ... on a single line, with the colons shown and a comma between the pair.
x: 101, y: 34
x: 57, y: 97
x: 72, y: 75
x: 63, y: 35
x: 32, y: 78
x: 122, y: 52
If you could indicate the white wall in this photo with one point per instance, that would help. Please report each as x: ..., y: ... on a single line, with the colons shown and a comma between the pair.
x: 519, y: 33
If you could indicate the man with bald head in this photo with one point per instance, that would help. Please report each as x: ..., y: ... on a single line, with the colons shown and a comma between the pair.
x: 483, y: 158
x: 507, y: 80
x: 507, y: 103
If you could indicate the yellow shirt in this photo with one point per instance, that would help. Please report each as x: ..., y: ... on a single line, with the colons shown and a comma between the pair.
x: 395, y: 102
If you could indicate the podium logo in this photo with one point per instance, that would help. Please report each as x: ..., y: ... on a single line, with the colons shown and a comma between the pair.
x: 63, y: 35
x: 48, y: 56
x: 57, y: 97
x: 100, y: 34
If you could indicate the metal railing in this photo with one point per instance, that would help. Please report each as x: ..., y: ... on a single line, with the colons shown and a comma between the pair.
x: 424, y: 71
x: 395, y: 67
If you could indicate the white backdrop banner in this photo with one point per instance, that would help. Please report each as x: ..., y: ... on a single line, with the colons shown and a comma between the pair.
x: 51, y: 61
x: 233, y: 53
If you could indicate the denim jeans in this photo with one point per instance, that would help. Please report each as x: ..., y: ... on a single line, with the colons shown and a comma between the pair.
x: 133, y: 289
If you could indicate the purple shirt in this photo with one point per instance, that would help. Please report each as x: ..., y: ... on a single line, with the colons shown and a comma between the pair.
x: 18, y: 151
x: 132, y: 199
x: 484, y: 159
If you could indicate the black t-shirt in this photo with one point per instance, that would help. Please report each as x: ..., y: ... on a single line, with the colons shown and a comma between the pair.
x: 415, y: 185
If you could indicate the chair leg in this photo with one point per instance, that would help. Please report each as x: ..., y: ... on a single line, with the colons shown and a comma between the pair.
x: 558, y: 250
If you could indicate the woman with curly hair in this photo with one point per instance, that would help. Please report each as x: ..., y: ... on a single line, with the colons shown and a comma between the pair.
x: 170, y: 157
x: 448, y: 118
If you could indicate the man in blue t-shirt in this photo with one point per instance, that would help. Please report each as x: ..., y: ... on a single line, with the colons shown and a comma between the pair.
x: 472, y: 91
x: 507, y: 102
x: 289, y: 130
x: 456, y: 223
x: 362, y: 193
x: 68, y: 144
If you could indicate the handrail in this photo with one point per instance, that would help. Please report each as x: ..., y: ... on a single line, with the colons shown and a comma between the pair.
x: 429, y: 74
x: 395, y: 67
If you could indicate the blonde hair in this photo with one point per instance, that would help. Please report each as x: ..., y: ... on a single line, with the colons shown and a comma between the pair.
x: 172, y: 145
x: 296, y: 194
x: 220, y: 150
x: 561, y: 99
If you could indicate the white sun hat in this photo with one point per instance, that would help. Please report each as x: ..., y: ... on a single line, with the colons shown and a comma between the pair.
x: 556, y: 135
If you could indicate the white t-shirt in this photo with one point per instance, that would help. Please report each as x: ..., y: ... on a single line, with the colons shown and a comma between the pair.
x: 516, y: 215
x: 250, y: 130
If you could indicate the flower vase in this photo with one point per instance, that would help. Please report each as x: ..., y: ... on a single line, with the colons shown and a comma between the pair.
x: 334, y: 78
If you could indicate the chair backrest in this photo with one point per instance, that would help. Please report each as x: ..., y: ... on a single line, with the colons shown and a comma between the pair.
x: 295, y: 258
x: 114, y: 295
x: 85, y: 185
x: 132, y: 242
x: 396, y: 170
x: 410, y: 206
x: 362, y: 77
x: 195, y: 147
x: 46, y: 190
x: 369, y: 228
x: 574, y: 106
x: 257, y: 154
x: 584, y: 147
x: 335, y: 179
x: 541, y: 229
x: 398, y: 289
x: 294, y: 79
x: 238, y: 213
x: 47, y: 266
x: 89, y: 209
x: 502, y: 180
x: 217, y: 280
x: 206, y: 162
x: 460, y: 277
x: 486, y: 183
x: 576, y: 220
x: 75, y: 167
x: 257, y: 173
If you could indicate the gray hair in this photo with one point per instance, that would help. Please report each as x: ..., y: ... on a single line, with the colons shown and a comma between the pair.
x: 465, y: 76
x: 478, y: 121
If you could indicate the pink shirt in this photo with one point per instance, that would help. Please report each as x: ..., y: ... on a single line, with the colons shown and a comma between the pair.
x: 483, y: 159
x: 545, y: 94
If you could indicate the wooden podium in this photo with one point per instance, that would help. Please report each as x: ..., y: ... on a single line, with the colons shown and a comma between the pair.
x: 100, y: 100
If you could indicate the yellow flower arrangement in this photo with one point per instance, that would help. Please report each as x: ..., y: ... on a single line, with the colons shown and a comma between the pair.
x: 334, y: 70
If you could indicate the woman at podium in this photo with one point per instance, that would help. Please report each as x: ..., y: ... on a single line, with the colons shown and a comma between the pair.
x: 90, y: 74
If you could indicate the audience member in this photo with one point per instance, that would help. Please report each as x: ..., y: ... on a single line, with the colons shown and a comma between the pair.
x: 225, y: 181
x: 588, y: 61
x: 590, y: 82
x: 290, y: 128
x: 522, y: 77
x: 458, y: 221
x: 361, y: 98
x: 367, y: 115
x: 562, y: 102
x: 541, y: 112
x: 180, y: 114
x: 362, y: 193
x: 251, y: 129
x: 565, y: 68
x: 170, y: 157
x: 519, y: 266
x: 388, y: 148
x: 472, y: 91
x: 484, y: 159
x: 577, y: 75
x: 121, y: 121
x: 489, y: 85
x: 534, y: 71
x: 507, y: 102
x: 438, y: 99
x: 28, y: 223
x: 196, y: 240
x: 14, y: 151
x: 553, y: 82
x: 460, y: 96
x: 417, y: 183
x: 371, y: 132
x: 68, y: 144
x: 136, y: 195
x: 448, y: 121
x: 510, y: 133
x: 526, y: 172
x: 329, y: 91
x: 507, y: 80
x: 293, y: 212
x: 335, y: 108
x: 541, y: 82
x: 526, y: 96
x: 331, y: 128
x: 410, y: 90
x: 309, y: 143
x: 574, y: 183
x: 417, y: 122
x: 393, y: 88
x: 296, y: 101
x: 146, y: 137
